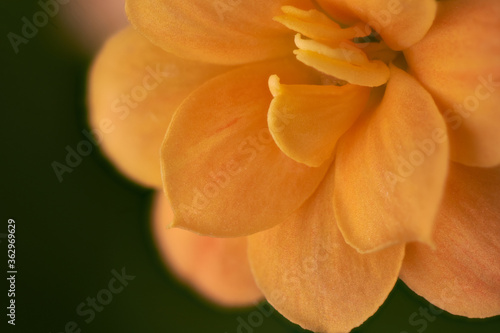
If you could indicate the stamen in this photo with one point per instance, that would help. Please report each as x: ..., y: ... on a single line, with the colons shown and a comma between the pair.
x: 346, y: 63
x: 333, y: 50
x: 345, y: 52
x: 316, y: 25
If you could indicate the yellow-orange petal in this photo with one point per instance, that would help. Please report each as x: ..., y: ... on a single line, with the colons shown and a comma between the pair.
x: 312, y: 277
x: 345, y: 62
x: 458, y: 62
x: 306, y: 121
x: 222, y: 171
x: 217, y: 268
x: 401, y: 23
x: 462, y: 274
x: 341, y: 14
x: 223, y: 32
x: 134, y: 89
x: 390, y: 169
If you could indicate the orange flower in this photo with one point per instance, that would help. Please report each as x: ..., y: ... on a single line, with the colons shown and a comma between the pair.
x: 351, y: 141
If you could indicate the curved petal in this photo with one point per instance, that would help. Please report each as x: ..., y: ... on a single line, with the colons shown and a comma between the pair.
x: 458, y: 62
x: 219, y: 31
x: 311, y: 276
x: 306, y: 121
x: 217, y: 268
x: 132, y: 99
x: 401, y: 23
x: 462, y: 274
x: 391, y: 169
x: 222, y: 171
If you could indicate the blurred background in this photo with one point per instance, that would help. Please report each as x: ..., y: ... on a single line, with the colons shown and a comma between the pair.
x: 73, y: 236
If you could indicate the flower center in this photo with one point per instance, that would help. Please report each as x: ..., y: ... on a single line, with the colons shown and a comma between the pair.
x: 343, y: 55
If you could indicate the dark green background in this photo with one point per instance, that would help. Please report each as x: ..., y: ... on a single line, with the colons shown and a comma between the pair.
x: 70, y: 235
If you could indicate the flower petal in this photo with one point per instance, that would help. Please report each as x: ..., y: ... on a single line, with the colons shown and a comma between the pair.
x: 222, y: 171
x: 306, y: 121
x: 311, y: 276
x: 224, y: 32
x: 217, y: 268
x: 132, y: 99
x: 401, y: 23
x: 458, y: 62
x: 391, y: 169
x: 462, y: 275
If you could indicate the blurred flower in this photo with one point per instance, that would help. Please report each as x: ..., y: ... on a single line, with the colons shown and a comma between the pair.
x: 93, y: 21
x: 216, y: 267
x: 341, y: 164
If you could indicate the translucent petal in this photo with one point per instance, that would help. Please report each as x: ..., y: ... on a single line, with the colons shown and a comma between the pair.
x: 223, y: 172
x: 391, y: 169
x: 462, y: 275
x: 311, y: 276
x: 217, y: 268
x: 132, y: 99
